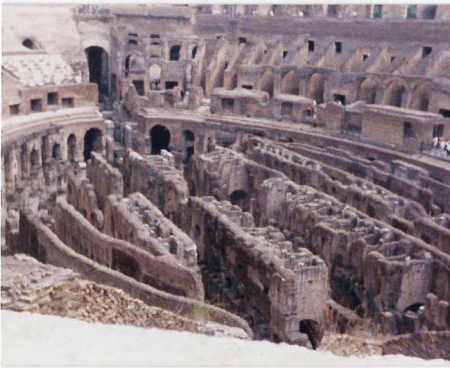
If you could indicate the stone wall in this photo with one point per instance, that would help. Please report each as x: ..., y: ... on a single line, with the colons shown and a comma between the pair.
x: 256, y: 273
x: 138, y: 221
x: 105, y: 179
x: 35, y: 236
x: 161, y: 272
x: 157, y: 179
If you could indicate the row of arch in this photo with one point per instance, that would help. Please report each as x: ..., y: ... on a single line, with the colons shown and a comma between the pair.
x: 37, y: 157
x: 397, y: 92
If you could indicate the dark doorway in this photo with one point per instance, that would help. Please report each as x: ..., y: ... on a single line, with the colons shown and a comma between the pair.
x: 238, y: 197
x: 124, y: 263
x: 98, y: 70
x: 160, y: 139
x: 311, y: 328
x: 139, y: 85
x: 445, y: 113
x: 397, y: 96
x: 339, y: 99
x: 175, y: 52
x: 92, y: 142
x: 56, y: 152
x: 171, y: 84
x: 71, y: 147
x: 189, y: 140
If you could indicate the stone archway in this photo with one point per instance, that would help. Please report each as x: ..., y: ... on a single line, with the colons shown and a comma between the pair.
x: 368, y: 91
x: 159, y: 139
x: 395, y: 94
x: 289, y: 83
x: 317, y: 87
x: 92, y: 142
x: 420, y: 99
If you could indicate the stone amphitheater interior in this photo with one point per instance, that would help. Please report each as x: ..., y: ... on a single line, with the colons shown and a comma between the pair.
x: 262, y: 172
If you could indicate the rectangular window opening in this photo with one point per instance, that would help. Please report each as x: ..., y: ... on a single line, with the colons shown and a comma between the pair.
x: 247, y: 86
x: 338, y: 46
x: 67, y: 102
x: 365, y: 57
x: 154, y: 35
x: 14, y: 109
x: 378, y: 11
x: 408, y: 131
x: 52, y: 98
x: 285, y: 54
x: 310, y: 46
x: 242, y: 40
x: 411, y: 12
x: 227, y: 105
x: 171, y: 84
x: 36, y: 105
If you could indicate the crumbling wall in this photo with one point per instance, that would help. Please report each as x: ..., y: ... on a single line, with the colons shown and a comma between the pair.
x: 162, y: 272
x: 105, y: 179
x: 34, y: 235
x: 157, y: 179
x: 257, y: 273
x: 138, y: 221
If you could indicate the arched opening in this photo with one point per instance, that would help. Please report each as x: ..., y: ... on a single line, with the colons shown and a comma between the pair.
x: 194, y: 52
x: 317, y: 87
x: 312, y: 329
x: 160, y: 139
x: 368, y: 91
x: 415, y: 308
x: 420, y: 99
x: 267, y: 82
x: 127, y: 65
x: 188, y: 144
x: 175, y: 52
x: 29, y: 44
x: 71, y: 147
x: 238, y: 197
x: 92, y: 142
x: 56, y: 151
x: 395, y: 97
x: 154, y: 76
x: 98, y: 69
x: 34, y: 158
x: 289, y: 84
x: 23, y: 158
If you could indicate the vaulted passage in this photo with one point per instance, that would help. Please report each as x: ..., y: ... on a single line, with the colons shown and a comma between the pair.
x: 92, y: 142
x: 98, y: 69
x: 159, y: 139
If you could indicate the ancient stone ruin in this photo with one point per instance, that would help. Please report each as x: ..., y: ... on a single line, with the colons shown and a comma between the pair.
x: 280, y: 170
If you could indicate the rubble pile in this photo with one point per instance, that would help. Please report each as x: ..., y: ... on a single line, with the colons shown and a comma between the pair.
x: 28, y: 285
